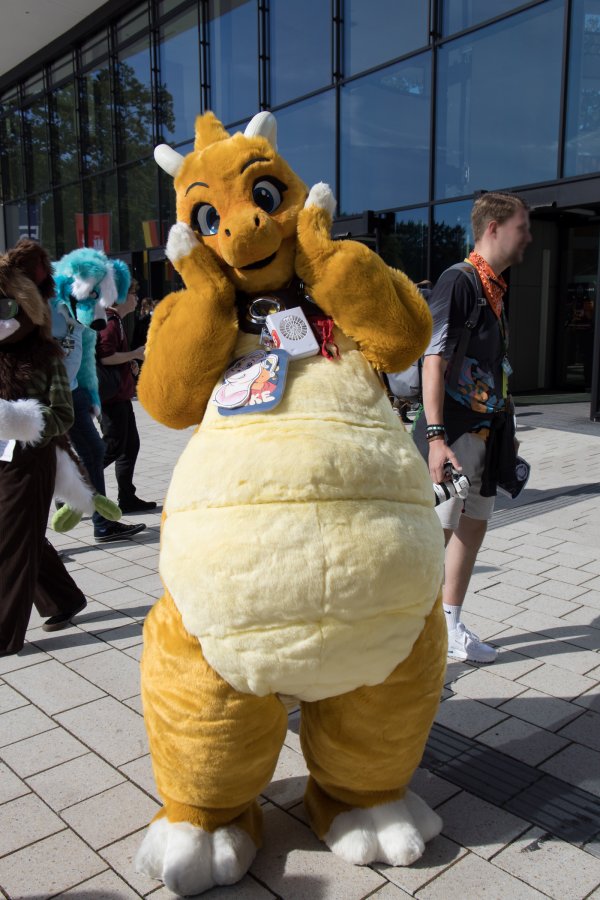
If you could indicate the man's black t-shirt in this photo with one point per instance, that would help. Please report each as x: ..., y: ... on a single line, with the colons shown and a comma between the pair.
x: 480, y: 381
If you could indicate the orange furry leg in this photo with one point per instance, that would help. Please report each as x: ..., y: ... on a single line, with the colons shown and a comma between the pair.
x: 363, y: 747
x: 213, y: 749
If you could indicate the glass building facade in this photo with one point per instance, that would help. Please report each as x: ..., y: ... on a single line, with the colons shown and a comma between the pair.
x: 408, y: 108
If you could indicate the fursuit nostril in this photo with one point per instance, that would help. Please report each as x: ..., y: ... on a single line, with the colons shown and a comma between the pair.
x: 227, y: 232
x: 256, y: 221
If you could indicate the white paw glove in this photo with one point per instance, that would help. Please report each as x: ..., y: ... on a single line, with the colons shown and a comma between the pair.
x: 321, y: 195
x: 21, y: 420
x: 181, y: 241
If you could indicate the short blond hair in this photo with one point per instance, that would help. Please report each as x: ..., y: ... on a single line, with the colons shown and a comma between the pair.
x: 494, y: 206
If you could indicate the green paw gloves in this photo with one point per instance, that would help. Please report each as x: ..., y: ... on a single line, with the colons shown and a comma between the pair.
x: 66, y: 517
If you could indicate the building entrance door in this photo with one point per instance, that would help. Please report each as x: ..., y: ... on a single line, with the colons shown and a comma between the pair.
x: 576, y: 307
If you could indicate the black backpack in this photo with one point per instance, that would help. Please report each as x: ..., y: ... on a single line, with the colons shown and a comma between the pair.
x: 406, y: 388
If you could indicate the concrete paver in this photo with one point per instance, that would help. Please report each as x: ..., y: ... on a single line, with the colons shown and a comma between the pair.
x: 76, y: 783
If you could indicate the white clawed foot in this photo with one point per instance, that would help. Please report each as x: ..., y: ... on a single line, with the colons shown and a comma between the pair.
x: 190, y: 860
x: 393, y: 833
x: 181, y: 241
x: 321, y: 195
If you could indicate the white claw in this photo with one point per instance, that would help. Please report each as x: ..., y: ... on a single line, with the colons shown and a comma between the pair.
x: 321, y: 195
x: 189, y: 860
x: 181, y: 241
x: 392, y: 833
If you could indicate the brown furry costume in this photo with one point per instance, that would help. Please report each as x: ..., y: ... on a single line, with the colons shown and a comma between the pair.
x: 31, y: 571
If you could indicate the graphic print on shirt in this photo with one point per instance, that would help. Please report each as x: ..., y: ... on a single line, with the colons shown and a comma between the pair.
x: 476, y: 387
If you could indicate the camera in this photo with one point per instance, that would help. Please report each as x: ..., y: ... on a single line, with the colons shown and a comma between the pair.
x: 457, y: 486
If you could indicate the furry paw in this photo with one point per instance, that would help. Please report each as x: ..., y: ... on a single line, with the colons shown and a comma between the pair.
x: 65, y: 519
x: 393, y: 833
x: 321, y: 195
x: 21, y: 420
x: 107, y: 508
x: 71, y: 487
x: 190, y: 860
x: 181, y: 241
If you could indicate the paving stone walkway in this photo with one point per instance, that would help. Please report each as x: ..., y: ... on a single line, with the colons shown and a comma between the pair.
x: 512, y: 765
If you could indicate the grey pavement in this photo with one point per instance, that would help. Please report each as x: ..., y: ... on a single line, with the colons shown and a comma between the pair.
x: 512, y: 764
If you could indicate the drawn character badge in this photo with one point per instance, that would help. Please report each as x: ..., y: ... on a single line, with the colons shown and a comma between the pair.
x: 253, y: 383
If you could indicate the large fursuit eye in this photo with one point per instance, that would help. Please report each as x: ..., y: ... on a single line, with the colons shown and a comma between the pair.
x: 267, y: 193
x: 8, y: 308
x: 206, y: 219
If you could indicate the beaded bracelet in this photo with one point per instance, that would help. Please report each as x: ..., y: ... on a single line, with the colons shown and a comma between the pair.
x: 435, y: 429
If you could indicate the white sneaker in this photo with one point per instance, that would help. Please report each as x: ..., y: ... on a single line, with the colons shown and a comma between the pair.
x: 463, y: 644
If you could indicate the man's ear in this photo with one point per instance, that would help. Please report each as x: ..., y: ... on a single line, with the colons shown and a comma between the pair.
x: 492, y: 228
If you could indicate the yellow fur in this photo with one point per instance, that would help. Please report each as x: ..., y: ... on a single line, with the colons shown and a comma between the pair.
x: 300, y: 550
x: 194, y: 717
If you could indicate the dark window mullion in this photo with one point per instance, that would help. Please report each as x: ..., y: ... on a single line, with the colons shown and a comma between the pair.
x: 264, y: 55
x: 337, y: 48
x: 564, y: 91
x: 205, y: 50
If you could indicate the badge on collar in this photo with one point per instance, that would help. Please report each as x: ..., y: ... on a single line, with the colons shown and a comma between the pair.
x: 253, y: 383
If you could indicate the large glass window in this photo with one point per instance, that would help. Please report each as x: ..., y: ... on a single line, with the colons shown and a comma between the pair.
x: 16, y: 222
x: 385, y: 130
x: 138, y: 197
x: 376, y: 31
x: 134, y: 105
x: 37, y: 149
x: 97, y: 120
x: 582, y: 150
x: 41, y: 210
x: 459, y: 14
x: 233, y: 35
x: 10, y: 149
x: 294, y: 27
x: 452, y: 238
x: 179, y: 77
x: 168, y: 213
x: 62, y: 69
x: 132, y: 23
x: 63, y: 117
x: 404, y: 246
x: 68, y: 213
x: 499, y: 103
x: 95, y: 50
x: 101, y: 229
x: 306, y: 138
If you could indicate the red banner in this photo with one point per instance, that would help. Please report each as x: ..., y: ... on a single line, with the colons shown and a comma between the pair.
x: 98, y: 231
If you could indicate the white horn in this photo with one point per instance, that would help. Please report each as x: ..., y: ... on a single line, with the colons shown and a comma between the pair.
x: 168, y: 159
x: 263, y: 124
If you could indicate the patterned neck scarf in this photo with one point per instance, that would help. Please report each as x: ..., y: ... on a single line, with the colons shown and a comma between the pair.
x: 494, y: 286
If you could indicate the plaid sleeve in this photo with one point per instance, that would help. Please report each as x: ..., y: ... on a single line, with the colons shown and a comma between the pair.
x: 58, y: 413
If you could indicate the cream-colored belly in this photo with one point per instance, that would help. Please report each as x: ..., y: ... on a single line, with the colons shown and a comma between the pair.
x: 301, y: 546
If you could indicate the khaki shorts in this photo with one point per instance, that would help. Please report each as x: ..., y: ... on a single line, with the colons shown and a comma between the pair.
x: 470, y: 452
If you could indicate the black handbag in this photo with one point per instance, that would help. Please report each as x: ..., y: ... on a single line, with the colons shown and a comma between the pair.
x: 109, y: 381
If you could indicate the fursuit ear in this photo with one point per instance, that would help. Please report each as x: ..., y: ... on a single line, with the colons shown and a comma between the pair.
x: 208, y: 131
x: 263, y: 124
x: 122, y: 278
x: 33, y: 260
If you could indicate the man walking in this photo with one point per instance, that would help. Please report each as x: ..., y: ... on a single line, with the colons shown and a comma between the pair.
x: 119, y: 428
x: 465, y: 381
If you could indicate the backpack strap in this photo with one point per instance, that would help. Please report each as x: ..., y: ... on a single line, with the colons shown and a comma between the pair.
x: 479, y: 301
